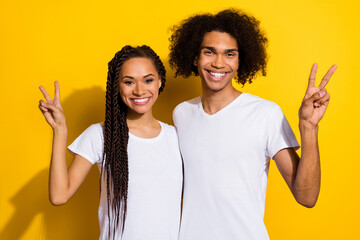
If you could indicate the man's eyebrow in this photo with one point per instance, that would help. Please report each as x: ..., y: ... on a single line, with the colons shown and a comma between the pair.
x: 214, y: 49
x: 210, y: 48
x: 232, y: 50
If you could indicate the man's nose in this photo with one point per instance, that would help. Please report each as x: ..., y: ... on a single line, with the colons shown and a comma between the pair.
x: 218, y: 62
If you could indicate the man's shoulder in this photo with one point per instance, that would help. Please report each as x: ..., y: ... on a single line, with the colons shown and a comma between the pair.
x: 259, y: 103
x: 189, y: 104
x: 185, y: 109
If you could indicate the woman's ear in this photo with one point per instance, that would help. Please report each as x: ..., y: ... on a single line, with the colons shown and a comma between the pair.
x: 160, y: 83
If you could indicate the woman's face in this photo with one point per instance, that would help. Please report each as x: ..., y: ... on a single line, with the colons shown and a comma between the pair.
x: 139, y: 85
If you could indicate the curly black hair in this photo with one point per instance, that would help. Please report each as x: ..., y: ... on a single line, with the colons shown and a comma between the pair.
x: 186, y: 40
x: 115, y: 171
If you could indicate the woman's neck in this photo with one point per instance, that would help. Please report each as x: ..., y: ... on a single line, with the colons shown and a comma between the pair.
x: 143, y: 125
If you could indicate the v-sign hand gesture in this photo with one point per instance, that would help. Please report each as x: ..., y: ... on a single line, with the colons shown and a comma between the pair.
x: 316, y: 99
x: 51, y: 108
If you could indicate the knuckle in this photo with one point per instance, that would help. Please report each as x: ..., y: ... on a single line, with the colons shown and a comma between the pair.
x: 307, y: 102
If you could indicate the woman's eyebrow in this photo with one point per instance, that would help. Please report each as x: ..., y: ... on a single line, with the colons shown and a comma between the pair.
x: 148, y: 75
x: 127, y: 77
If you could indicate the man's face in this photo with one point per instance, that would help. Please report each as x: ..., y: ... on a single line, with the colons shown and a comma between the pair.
x: 218, y: 61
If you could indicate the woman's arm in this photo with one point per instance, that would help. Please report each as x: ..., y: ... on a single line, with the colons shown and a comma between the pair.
x: 63, y: 182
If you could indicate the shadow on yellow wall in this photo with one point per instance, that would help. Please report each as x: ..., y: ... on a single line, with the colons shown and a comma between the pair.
x: 77, y: 219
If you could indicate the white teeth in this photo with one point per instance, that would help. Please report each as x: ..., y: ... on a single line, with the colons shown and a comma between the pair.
x: 218, y: 75
x: 140, y: 100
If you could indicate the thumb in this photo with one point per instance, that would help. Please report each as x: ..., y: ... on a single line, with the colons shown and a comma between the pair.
x: 316, y: 96
x: 49, y: 106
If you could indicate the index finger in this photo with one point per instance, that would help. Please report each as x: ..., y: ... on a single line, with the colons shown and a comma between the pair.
x: 327, y: 76
x: 312, y: 75
x: 44, y: 92
x: 57, y: 91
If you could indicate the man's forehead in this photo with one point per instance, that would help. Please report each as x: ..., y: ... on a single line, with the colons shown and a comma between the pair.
x: 219, y: 41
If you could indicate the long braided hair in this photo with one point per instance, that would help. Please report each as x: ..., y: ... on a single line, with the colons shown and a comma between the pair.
x: 116, y: 134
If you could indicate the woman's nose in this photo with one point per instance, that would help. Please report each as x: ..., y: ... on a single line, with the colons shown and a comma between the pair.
x: 139, y: 90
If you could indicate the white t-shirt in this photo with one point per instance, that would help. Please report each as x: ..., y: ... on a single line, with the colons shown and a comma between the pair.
x: 154, y: 187
x: 226, y: 161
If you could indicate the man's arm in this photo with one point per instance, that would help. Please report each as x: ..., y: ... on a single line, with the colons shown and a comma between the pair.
x: 303, y: 175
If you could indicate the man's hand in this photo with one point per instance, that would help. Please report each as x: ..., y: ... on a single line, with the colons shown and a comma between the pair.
x: 316, y: 99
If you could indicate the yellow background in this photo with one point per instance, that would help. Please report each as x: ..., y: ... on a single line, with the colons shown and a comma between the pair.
x: 72, y: 41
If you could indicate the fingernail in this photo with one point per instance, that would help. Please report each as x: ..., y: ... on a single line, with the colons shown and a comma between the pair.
x: 321, y: 93
x: 316, y: 104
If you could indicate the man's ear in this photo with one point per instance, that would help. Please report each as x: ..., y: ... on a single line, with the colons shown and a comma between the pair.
x: 196, y: 61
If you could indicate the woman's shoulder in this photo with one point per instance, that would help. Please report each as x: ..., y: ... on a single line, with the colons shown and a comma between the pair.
x: 167, y: 128
x: 95, y: 130
x: 96, y: 127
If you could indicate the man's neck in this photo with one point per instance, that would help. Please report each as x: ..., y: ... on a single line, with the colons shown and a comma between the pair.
x: 215, y: 101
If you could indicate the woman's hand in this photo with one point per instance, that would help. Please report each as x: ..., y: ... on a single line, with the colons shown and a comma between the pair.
x: 51, y: 108
x: 63, y: 182
x: 316, y: 99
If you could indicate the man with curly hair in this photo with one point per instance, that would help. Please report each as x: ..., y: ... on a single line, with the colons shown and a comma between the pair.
x: 227, y: 137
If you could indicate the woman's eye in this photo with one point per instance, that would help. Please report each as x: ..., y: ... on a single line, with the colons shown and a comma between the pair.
x: 128, y: 82
x: 149, y: 80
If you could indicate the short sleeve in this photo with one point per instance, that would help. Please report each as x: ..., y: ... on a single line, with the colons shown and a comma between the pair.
x: 279, y: 133
x: 89, y: 144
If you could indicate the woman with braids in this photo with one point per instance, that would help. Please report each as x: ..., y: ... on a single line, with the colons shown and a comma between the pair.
x: 138, y: 156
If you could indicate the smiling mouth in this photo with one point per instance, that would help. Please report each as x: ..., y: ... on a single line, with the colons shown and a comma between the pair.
x: 140, y: 101
x: 216, y: 76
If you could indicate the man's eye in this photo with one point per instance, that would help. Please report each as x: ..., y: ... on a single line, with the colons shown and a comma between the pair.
x: 208, y: 53
x: 230, y: 54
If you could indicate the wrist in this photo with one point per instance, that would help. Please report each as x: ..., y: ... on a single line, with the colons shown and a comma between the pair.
x: 305, y: 126
x: 60, y: 129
